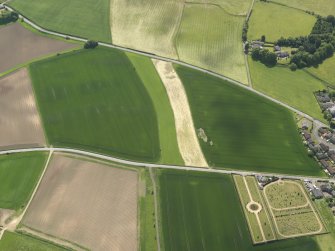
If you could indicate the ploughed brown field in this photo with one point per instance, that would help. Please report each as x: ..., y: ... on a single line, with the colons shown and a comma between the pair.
x: 19, y: 45
x: 91, y: 204
x: 20, y: 124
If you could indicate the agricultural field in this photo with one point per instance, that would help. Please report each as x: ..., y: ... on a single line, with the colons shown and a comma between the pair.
x: 237, y: 7
x: 291, y: 209
x: 104, y: 219
x: 27, y: 46
x: 293, y: 88
x: 186, y: 196
x: 95, y: 100
x: 166, y: 123
x: 186, y: 135
x: 325, y: 71
x: 259, y: 221
x: 148, y: 25
x: 276, y: 21
x: 321, y: 7
x: 19, y: 174
x: 19, y: 113
x: 14, y: 242
x: 247, y: 131
x: 86, y: 18
x: 218, y: 48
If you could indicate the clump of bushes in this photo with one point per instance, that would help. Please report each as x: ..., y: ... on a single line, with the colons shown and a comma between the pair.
x: 90, y: 44
x: 8, y: 17
x: 264, y: 56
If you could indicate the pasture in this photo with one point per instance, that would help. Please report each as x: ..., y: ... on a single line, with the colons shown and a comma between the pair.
x: 84, y: 18
x: 95, y: 100
x: 19, y: 174
x: 185, y: 201
x: 19, y: 113
x: 248, y: 132
x: 148, y: 25
x: 166, y: 123
x: 291, y: 209
x: 275, y: 21
x: 321, y: 7
x: 325, y: 71
x: 210, y: 38
x: 105, y: 218
x: 293, y: 88
x: 27, y: 46
x: 15, y: 241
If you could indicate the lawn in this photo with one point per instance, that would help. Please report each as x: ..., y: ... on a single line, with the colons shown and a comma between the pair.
x: 95, y: 100
x: 293, y: 88
x: 275, y: 21
x: 188, y: 224
x: 325, y: 71
x: 166, y: 124
x: 17, y: 242
x: 210, y: 38
x: 248, y: 132
x: 84, y: 18
x: 19, y: 174
x: 321, y: 7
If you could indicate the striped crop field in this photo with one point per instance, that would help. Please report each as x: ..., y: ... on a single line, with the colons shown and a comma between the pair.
x: 210, y: 38
x: 235, y: 7
x: 321, y: 7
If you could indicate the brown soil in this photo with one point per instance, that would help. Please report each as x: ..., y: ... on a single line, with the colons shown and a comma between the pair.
x: 87, y: 203
x: 20, y: 123
x: 19, y: 45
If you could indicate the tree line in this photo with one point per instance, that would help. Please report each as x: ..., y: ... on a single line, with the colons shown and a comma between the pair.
x: 8, y: 17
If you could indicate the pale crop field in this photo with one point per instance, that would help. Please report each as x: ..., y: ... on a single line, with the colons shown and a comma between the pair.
x: 148, y: 25
x: 88, y: 203
x: 210, y: 38
x: 321, y: 7
x: 275, y: 21
x: 20, y: 123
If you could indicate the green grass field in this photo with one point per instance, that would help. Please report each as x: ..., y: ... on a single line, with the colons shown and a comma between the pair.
x: 210, y: 38
x: 321, y: 7
x: 325, y: 71
x: 95, y: 100
x: 166, y: 124
x: 248, y: 131
x: 18, y: 242
x: 293, y: 88
x: 203, y: 212
x: 84, y: 18
x: 275, y: 21
x: 19, y: 174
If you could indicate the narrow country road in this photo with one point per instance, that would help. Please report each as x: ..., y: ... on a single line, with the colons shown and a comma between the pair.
x: 154, y: 56
x: 140, y: 164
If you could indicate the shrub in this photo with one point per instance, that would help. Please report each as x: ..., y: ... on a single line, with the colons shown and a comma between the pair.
x: 90, y: 44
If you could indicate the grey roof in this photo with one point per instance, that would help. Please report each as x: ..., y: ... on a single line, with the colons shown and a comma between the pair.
x: 317, y: 193
x: 324, y: 163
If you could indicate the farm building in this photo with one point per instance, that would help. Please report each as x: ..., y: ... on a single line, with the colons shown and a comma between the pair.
x: 282, y: 54
x: 326, y: 188
x: 317, y: 193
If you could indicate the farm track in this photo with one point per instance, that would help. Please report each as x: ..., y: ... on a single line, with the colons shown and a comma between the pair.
x: 174, y: 167
x: 169, y: 60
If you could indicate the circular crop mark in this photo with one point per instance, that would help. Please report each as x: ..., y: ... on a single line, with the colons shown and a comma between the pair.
x: 254, y: 207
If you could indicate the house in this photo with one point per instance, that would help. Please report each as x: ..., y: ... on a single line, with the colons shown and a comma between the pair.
x: 321, y: 156
x: 328, y: 135
x: 324, y: 147
x: 332, y: 157
x: 277, y: 48
x: 324, y: 163
x: 317, y: 193
x: 333, y: 193
x: 327, y: 188
x: 306, y: 135
x: 332, y: 140
x: 315, y: 149
x: 282, y: 54
x: 322, y: 131
x: 331, y: 170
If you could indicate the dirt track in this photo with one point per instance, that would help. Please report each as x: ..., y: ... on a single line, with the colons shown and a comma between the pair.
x: 86, y: 203
x: 186, y: 135
x: 18, y: 45
x: 20, y: 123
